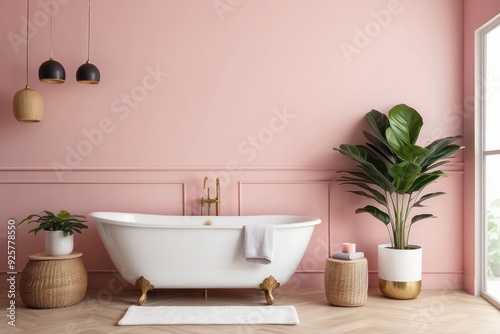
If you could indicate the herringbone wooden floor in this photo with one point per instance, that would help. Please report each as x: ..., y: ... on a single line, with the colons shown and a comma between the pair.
x: 434, y: 311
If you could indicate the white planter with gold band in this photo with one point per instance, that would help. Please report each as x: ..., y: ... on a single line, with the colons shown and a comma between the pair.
x: 400, y: 271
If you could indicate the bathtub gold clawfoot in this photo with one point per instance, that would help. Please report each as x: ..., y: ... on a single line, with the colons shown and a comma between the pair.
x: 144, y: 285
x: 218, y: 265
x: 268, y: 285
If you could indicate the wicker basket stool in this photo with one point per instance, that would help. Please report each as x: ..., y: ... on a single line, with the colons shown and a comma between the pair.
x: 53, y: 281
x: 346, y: 281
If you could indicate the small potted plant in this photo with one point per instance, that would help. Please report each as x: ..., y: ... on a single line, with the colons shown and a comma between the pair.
x: 59, y: 229
x: 393, y: 171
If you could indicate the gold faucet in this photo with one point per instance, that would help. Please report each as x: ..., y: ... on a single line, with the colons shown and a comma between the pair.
x: 209, y: 200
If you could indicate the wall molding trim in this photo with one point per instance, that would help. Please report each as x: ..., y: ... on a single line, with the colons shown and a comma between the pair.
x: 454, y: 166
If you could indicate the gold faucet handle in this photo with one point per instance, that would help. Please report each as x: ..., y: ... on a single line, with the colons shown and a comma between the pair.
x: 217, y: 188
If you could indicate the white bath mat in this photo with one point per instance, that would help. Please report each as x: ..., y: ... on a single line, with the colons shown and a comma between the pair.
x: 210, y: 315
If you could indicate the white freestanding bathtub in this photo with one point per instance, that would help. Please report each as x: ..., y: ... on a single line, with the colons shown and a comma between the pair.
x: 183, y: 252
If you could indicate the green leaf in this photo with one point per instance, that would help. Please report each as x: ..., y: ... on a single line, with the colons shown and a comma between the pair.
x: 378, y: 123
x: 63, y: 214
x: 424, y: 180
x: 28, y: 219
x: 363, y: 155
x: 49, y: 214
x: 375, y: 212
x: 443, y: 142
x: 358, y: 175
x: 437, y: 164
x: 421, y: 217
x: 438, y: 149
x: 405, y: 122
x: 395, y: 142
x: 435, y: 154
x: 412, y: 152
x: 382, y: 148
x: 404, y: 174
x: 373, y: 167
x: 376, y: 195
x: 362, y: 193
x: 426, y: 197
x: 346, y: 180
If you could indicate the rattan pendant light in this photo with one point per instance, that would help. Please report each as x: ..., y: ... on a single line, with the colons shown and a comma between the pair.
x: 51, y: 71
x: 28, y: 103
x: 88, y: 73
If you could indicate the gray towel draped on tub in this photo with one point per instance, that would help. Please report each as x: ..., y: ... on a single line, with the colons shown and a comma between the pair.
x: 258, y: 243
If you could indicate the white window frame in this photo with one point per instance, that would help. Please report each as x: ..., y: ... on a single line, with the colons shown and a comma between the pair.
x: 480, y: 154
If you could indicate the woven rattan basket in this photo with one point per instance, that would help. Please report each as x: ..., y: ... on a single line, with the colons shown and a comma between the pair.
x: 346, y: 282
x: 57, y: 282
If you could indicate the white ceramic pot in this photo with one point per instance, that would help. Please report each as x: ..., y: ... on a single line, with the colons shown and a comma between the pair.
x: 56, y: 244
x: 400, y: 271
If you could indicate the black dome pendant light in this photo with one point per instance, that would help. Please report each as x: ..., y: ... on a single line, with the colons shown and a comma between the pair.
x: 88, y: 73
x: 51, y: 71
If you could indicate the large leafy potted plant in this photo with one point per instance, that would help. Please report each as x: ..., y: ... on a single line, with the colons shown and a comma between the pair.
x: 393, y: 171
x: 59, y: 229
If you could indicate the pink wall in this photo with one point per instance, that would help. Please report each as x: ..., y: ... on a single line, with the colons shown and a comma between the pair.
x: 257, y: 92
x: 475, y: 16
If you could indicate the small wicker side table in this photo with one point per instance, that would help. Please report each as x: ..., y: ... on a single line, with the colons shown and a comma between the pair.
x: 53, y: 281
x: 346, y: 281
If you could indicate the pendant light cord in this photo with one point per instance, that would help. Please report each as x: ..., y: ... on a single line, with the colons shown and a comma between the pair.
x: 51, y: 26
x: 27, y: 40
x: 88, y: 38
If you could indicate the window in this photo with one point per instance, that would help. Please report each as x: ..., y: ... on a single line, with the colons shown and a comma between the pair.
x: 488, y: 127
